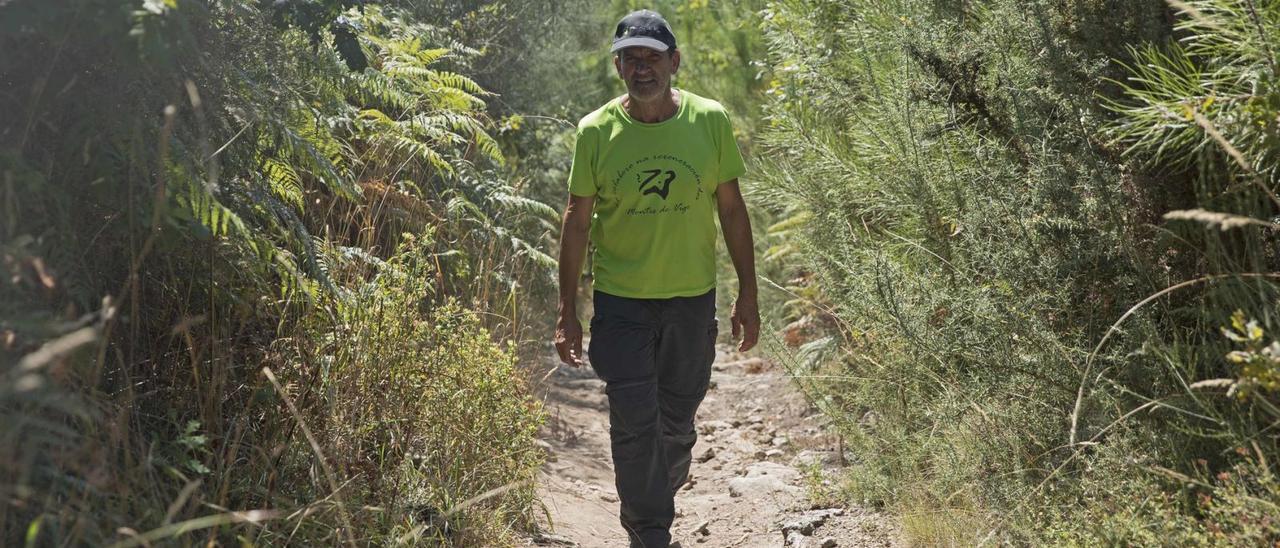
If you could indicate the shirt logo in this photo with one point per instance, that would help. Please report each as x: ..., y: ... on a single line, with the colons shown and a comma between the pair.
x: 651, y: 184
x: 674, y: 184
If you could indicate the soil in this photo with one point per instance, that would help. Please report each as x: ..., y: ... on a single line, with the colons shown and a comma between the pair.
x: 760, y: 446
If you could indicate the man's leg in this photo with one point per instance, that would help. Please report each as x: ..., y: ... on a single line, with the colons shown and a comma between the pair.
x: 624, y: 336
x: 686, y: 348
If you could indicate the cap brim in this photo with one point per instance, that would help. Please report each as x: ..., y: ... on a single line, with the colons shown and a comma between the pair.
x: 642, y: 41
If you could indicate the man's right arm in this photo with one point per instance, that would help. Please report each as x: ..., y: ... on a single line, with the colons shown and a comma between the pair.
x: 573, y: 250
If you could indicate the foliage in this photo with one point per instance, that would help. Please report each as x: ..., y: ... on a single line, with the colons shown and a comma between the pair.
x: 1259, y: 362
x: 196, y: 192
x: 1224, y: 70
x: 1009, y: 336
x: 434, y: 426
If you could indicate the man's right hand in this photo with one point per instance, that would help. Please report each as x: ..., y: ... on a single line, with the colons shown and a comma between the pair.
x: 569, y: 340
x: 573, y: 250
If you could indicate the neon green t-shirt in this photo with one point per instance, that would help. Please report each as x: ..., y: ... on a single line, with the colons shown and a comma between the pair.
x: 654, y: 218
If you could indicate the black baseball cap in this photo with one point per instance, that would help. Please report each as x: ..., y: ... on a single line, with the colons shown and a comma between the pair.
x: 644, y: 28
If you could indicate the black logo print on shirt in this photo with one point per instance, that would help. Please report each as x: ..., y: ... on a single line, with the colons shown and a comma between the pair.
x: 657, y: 185
x: 650, y: 185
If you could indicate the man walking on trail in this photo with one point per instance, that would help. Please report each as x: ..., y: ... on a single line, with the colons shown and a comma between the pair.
x: 650, y: 168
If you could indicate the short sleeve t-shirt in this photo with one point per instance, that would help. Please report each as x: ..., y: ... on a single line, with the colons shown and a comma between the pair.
x: 654, y: 218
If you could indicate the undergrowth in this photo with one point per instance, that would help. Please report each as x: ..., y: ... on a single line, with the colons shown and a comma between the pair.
x: 257, y: 257
x: 1016, y: 231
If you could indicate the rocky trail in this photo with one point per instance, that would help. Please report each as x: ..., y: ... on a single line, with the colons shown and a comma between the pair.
x: 759, y: 446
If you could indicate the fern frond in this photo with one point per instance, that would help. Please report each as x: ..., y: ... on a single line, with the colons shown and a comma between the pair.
x: 284, y: 182
x: 520, y: 204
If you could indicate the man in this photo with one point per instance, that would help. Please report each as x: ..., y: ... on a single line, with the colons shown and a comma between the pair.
x: 649, y: 170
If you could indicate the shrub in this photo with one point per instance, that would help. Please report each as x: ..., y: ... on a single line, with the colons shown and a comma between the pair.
x: 1012, y: 338
x: 197, y: 192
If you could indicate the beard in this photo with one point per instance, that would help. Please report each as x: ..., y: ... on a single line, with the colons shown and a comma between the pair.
x: 649, y: 91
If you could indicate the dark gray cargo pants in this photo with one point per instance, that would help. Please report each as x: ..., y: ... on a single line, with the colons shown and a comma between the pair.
x: 655, y: 358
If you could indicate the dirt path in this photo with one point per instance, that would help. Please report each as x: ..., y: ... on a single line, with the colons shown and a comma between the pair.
x: 757, y: 437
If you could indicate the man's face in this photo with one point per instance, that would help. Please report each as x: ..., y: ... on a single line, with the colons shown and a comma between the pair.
x: 646, y: 72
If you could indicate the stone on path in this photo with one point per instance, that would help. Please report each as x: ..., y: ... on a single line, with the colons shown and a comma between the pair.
x: 708, y: 427
x: 810, y: 457
x: 706, y: 454
x: 749, y: 365
x: 808, y: 522
x: 703, y: 528
x: 765, y: 479
x: 548, y: 539
x: 795, y: 539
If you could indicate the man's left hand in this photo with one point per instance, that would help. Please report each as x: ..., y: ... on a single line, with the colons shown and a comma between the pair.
x: 746, y: 321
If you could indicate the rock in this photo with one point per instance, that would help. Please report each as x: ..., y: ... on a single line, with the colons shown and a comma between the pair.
x: 773, y: 453
x: 810, y: 457
x: 765, y: 479
x: 803, y: 526
x: 750, y: 365
x: 757, y: 427
x: 795, y: 539
x: 575, y: 384
x: 703, y: 528
x: 608, y: 497
x: 827, y: 543
x: 755, y: 419
x: 709, y: 427
x: 774, y: 469
x: 869, y: 419
x: 548, y: 539
x: 548, y: 451
x: 754, y: 366
x: 809, y: 521
x: 706, y: 454
x: 779, y: 442
x: 798, y: 332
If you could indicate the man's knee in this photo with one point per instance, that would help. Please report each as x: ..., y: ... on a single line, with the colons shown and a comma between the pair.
x: 678, y: 411
x: 633, y: 410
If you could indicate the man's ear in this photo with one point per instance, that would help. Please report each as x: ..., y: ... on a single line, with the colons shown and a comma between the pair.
x: 617, y: 65
x: 675, y: 61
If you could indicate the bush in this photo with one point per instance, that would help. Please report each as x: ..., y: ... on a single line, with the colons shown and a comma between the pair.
x: 195, y: 192
x: 1011, y: 335
x: 430, y: 421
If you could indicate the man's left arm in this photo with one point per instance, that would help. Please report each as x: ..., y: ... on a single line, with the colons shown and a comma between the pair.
x: 736, y: 225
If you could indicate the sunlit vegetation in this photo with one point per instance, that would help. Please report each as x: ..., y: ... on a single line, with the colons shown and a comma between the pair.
x: 260, y: 261
x: 272, y: 268
x: 1024, y: 227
